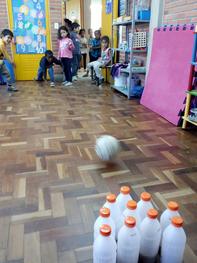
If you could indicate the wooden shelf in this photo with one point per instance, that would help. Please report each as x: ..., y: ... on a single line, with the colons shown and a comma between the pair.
x: 188, y: 120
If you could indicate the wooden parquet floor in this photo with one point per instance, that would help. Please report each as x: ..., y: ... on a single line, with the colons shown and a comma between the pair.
x: 52, y: 184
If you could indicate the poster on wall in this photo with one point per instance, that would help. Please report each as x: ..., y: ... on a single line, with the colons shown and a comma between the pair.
x: 29, y: 26
x: 108, y: 6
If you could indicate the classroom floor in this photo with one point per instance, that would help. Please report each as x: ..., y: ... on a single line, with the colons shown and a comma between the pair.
x: 52, y: 184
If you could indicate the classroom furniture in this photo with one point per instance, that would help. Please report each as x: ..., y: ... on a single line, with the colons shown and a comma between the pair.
x: 169, y: 71
x: 137, y: 41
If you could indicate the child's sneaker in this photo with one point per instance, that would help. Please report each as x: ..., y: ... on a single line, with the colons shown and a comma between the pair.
x: 68, y: 84
x: 74, y: 78
x: 64, y: 82
x: 12, y: 89
x: 99, y: 81
x: 52, y: 84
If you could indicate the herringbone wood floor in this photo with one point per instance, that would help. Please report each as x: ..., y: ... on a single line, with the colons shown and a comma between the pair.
x: 52, y: 183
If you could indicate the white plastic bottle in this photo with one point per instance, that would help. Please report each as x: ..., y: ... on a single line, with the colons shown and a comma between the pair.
x: 173, y: 242
x: 104, y: 219
x: 123, y: 197
x: 131, y: 210
x: 168, y: 214
x: 104, y: 248
x: 144, y: 205
x: 150, y: 231
x: 115, y: 212
x: 128, y: 246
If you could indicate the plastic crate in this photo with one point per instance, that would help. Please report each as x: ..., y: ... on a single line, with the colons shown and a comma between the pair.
x: 144, y: 14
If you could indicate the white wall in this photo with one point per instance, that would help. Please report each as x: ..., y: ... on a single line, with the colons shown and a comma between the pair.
x: 157, y: 9
x: 87, y: 15
x: 73, y: 10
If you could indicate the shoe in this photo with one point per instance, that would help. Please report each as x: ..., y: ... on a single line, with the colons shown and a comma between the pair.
x: 64, y: 82
x: 12, y: 89
x: 94, y: 82
x: 85, y: 75
x: 68, y: 84
x: 74, y: 78
x: 99, y: 81
x: 52, y: 84
x: 36, y: 79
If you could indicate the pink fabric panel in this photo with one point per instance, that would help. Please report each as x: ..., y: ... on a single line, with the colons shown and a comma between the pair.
x: 168, y: 75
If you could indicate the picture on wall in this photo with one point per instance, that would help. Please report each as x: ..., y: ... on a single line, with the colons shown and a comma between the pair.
x: 108, y: 6
x: 29, y: 26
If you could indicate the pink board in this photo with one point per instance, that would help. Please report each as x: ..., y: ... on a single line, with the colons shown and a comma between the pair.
x: 168, y: 76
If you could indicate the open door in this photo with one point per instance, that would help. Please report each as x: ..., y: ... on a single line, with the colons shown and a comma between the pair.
x: 29, y: 21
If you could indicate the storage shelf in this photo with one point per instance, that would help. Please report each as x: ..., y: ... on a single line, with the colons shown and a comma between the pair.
x: 122, y: 23
x: 129, y: 22
x: 188, y: 120
x: 122, y: 89
x: 137, y: 70
x: 129, y: 51
x: 142, y: 21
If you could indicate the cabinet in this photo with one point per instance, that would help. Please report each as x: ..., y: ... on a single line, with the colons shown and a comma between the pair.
x: 129, y: 22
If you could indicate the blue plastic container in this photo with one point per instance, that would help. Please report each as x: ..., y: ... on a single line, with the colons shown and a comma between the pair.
x: 144, y: 14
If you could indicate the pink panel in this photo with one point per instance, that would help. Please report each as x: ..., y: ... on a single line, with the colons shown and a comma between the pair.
x: 168, y: 75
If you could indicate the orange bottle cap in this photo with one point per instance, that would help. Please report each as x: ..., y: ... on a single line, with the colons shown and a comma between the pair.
x: 105, y: 230
x: 177, y: 221
x: 130, y: 221
x: 125, y: 190
x: 173, y: 206
x: 111, y: 198
x: 145, y: 196
x: 131, y: 204
x: 104, y: 212
x: 152, y: 213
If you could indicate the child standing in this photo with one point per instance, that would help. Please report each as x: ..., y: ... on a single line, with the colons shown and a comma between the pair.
x: 66, y: 47
x: 90, y: 42
x: 106, y: 56
x: 76, y: 52
x: 84, y: 45
x: 46, y: 63
x: 95, y: 46
x: 6, y: 39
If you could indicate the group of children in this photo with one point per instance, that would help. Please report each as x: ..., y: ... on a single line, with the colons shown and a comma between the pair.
x: 73, y: 47
x: 72, y: 50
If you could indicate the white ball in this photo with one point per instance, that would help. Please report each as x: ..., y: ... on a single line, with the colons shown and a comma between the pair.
x: 107, y: 147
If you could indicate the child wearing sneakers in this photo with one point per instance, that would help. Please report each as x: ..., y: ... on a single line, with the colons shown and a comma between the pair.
x: 46, y: 63
x: 106, y: 56
x: 6, y: 39
x: 65, y: 53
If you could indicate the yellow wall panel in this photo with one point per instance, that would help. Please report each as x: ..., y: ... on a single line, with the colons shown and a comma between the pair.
x: 27, y: 64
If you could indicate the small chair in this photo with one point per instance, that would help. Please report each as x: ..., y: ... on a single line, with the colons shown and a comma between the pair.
x: 106, y: 67
x: 109, y: 65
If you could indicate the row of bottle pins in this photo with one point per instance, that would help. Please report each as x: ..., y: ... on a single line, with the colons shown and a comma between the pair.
x: 137, y: 231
